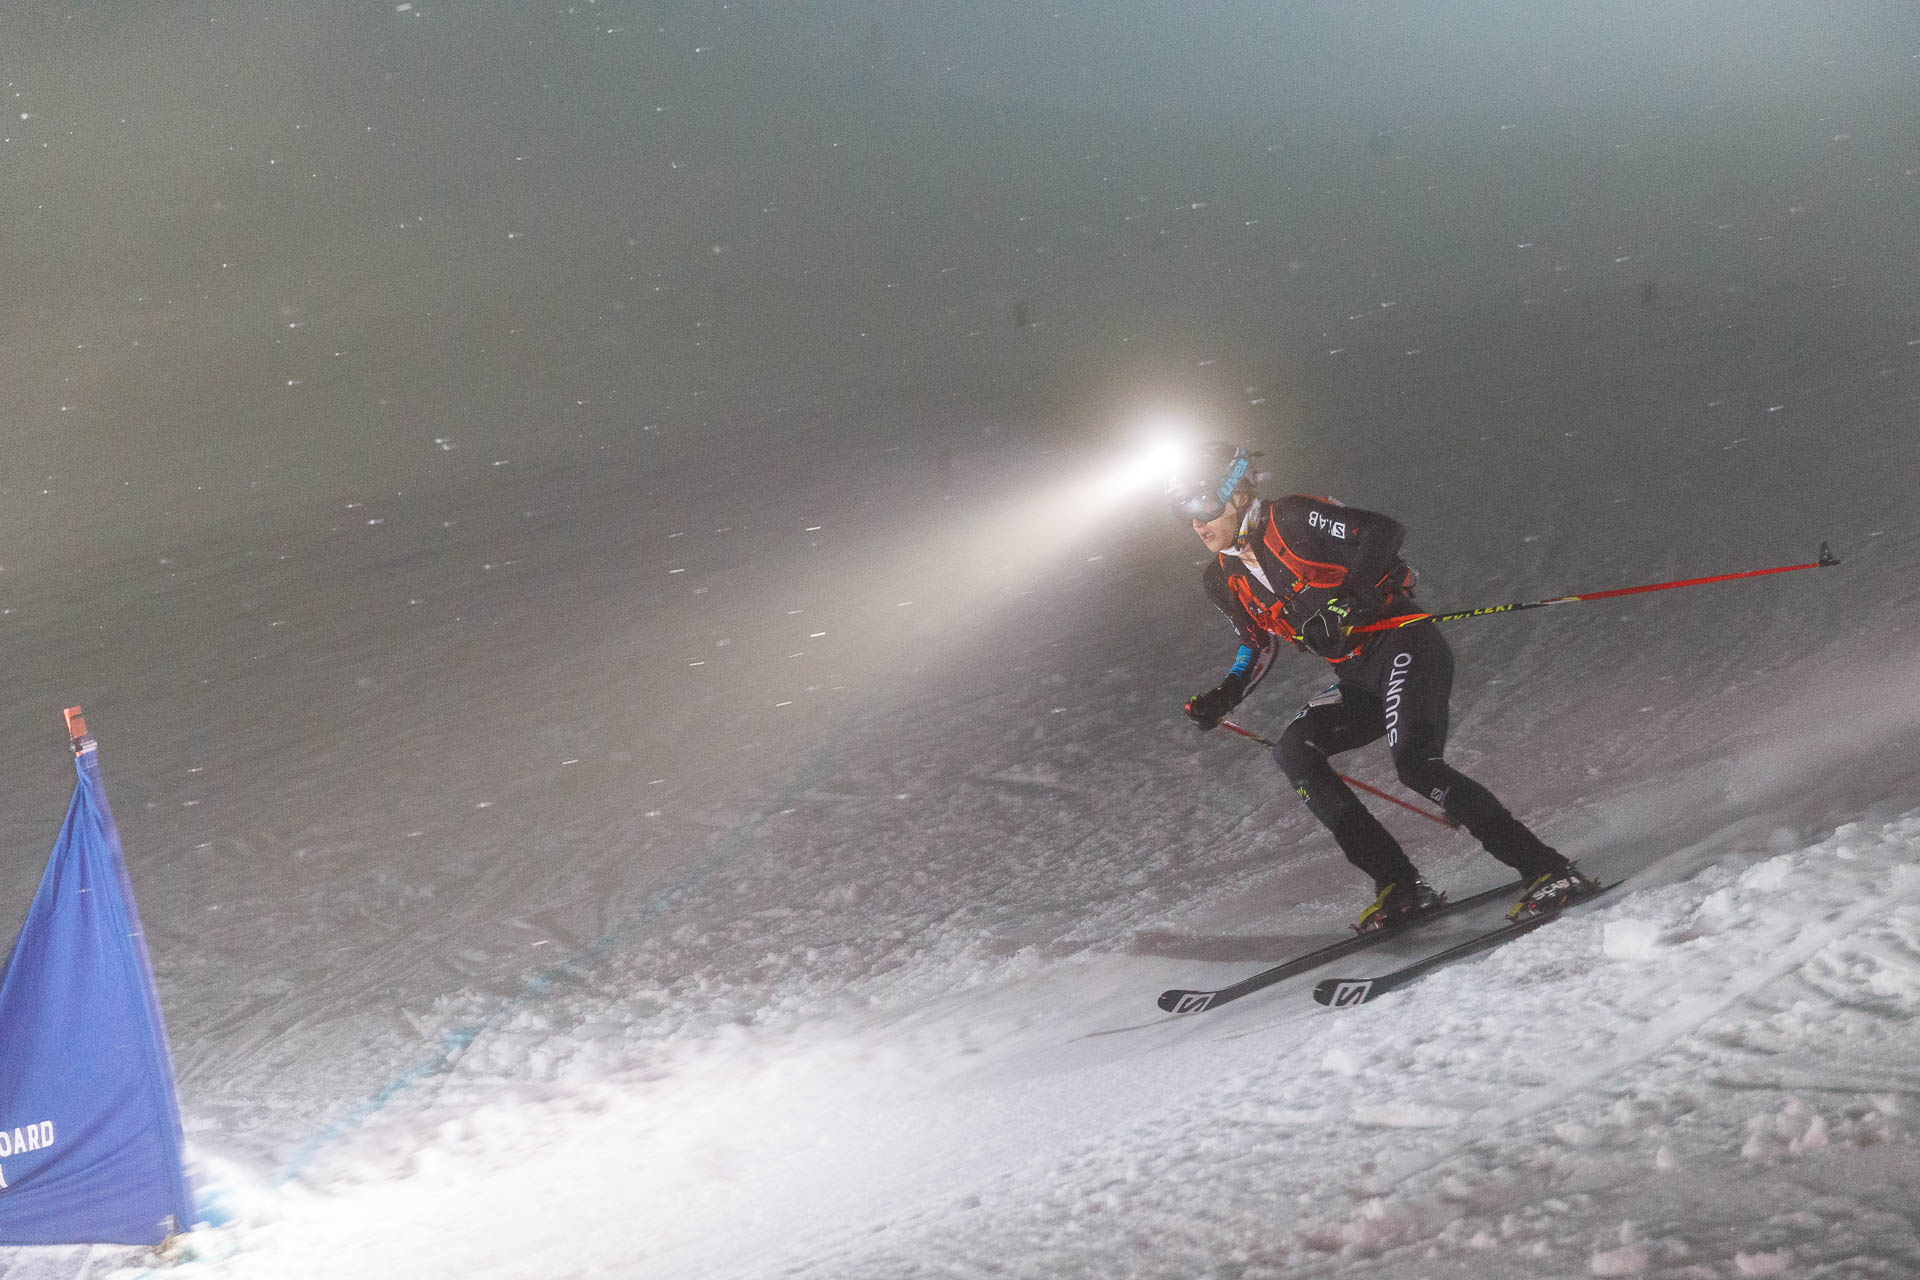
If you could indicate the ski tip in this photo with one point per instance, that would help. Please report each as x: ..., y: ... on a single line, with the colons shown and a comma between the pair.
x: 1185, y: 1001
x: 1827, y: 560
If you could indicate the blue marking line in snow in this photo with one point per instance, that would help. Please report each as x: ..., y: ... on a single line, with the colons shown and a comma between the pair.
x: 459, y: 1039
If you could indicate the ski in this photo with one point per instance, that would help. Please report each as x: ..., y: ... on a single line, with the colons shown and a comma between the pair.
x: 1180, y: 1000
x: 1344, y: 993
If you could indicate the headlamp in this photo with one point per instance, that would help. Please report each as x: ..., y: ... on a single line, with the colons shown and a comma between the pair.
x: 1205, y: 501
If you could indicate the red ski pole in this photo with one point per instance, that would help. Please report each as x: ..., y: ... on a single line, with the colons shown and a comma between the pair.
x: 1826, y: 561
x: 1352, y: 782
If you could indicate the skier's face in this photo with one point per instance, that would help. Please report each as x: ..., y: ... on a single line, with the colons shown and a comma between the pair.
x: 1223, y: 530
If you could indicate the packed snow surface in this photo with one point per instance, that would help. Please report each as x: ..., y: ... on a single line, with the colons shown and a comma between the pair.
x: 893, y: 1014
x: 1713, y: 1070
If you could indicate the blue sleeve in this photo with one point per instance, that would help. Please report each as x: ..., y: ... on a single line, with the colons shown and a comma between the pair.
x: 1256, y: 646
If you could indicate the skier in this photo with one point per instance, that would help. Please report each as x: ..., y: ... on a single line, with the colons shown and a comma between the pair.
x: 1309, y: 570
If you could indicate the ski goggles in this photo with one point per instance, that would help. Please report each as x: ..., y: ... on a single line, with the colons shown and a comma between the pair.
x: 1206, y: 503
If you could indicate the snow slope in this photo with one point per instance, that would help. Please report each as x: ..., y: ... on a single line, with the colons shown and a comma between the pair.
x: 639, y: 756
x: 885, y: 1007
x: 1715, y: 1072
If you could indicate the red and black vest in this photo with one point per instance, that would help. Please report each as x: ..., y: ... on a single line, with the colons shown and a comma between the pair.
x: 1303, y: 543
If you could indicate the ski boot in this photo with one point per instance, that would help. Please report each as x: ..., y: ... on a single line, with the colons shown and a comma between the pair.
x: 1552, y: 891
x: 1396, y: 905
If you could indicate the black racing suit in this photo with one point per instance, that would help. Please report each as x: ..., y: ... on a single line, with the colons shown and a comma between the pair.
x: 1396, y: 683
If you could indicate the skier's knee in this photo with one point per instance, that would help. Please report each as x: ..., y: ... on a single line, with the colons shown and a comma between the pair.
x: 1296, y: 755
x: 1415, y: 775
x: 1426, y: 776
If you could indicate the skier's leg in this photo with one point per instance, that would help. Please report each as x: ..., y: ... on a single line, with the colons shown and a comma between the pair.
x: 1325, y: 727
x: 1419, y: 683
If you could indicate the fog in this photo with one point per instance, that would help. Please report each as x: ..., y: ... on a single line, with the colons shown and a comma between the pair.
x: 260, y: 257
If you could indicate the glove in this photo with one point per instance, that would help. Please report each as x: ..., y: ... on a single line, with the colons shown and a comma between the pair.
x: 1323, y: 620
x: 1209, y: 708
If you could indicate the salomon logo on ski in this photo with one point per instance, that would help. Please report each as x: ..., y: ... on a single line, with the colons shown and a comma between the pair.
x: 1350, y: 993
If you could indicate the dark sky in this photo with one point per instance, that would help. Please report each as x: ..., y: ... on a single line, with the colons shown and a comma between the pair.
x: 260, y: 255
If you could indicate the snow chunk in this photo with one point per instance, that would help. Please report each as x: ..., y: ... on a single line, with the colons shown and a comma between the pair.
x: 1763, y: 1264
x: 1629, y: 939
x: 1627, y: 1260
x: 1796, y: 1129
x: 1296, y: 1116
x: 1406, y: 1115
x: 1343, y: 1062
x: 1769, y: 876
x: 1716, y: 912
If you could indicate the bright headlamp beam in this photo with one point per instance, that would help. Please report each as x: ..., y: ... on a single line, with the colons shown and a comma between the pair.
x: 1162, y: 460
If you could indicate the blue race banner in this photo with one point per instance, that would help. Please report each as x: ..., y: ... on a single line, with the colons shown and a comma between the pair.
x: 90, y: 1142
